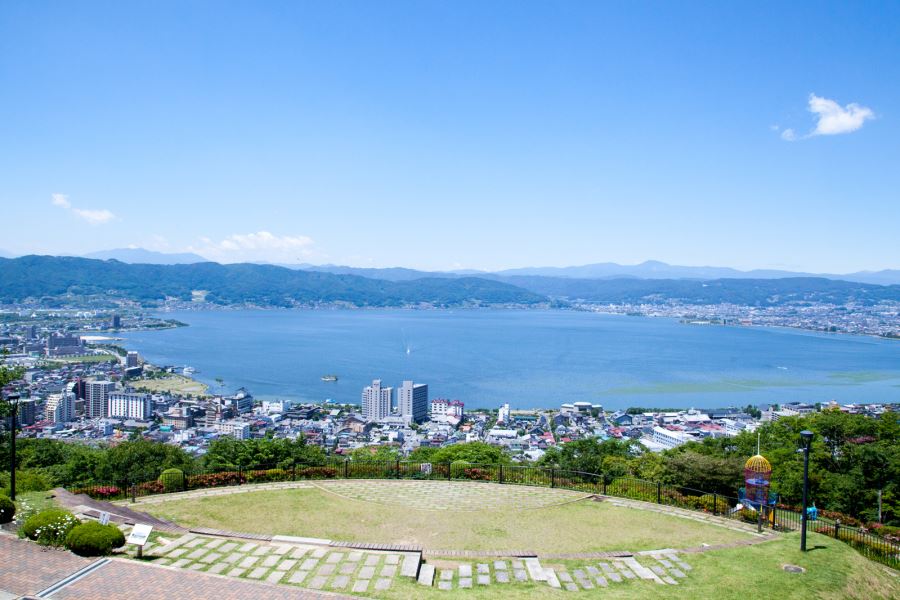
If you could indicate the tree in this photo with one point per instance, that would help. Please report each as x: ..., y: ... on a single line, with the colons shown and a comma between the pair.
x: 384, y: 453
x: 472, y: 452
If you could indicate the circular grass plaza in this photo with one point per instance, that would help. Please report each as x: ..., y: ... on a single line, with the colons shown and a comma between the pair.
x: 475, y: 539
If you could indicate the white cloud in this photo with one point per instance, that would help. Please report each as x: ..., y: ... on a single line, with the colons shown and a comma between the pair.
x: 93, y: 216
x: 831, y: 118
x: 261, y: 246
x: 835, y: 119
x: 61, y: 200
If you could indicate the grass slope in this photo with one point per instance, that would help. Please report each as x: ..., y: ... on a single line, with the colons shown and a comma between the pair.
x: 575, y: 527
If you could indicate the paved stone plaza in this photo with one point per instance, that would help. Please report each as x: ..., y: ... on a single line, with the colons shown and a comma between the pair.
x: 445, y: 495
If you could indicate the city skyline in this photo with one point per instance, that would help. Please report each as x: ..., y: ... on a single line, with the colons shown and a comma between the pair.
x: 462, y: 136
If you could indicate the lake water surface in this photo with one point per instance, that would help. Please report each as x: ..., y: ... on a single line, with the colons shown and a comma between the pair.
x: 529, y: 358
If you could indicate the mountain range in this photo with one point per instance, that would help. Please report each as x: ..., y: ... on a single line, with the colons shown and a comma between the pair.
x: 67, y: 279
x: 651, y: 269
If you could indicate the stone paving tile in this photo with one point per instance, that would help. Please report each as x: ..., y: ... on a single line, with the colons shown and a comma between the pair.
x: 520, y: 574
x: 196, y: 566
x: 257, y: 573
x: 518, y: 564
x: 211, y: 558
x: 233, y: 557
x: 592, y: 570
x: 270, y: 561
x: 319, y: 552
x: 388, y: 570
x: 465, y: 570
x: 236, y: 572
x: 340, y: 582
x: 615, y: 577
x: 261, y: 550
x: 298, y: 577
x: 275, y: 576
x: 215, y: 543
x: 335, y: 557
x: 465, y: 582
x: 658, y: 570
x: 445, y: 585
x: 667, y: 564
x: 372, y: 559
x: 367, y: 573
x: 194, y: 543
x: 392, y: 559
x: 282, y: 549
x: 564, y: 577
x: 248, y: 547
x: 354, y: 557
x: 309, y: 564
x: 298, y: 552
x: 484, y: 580
x: 176, y: 552
x: 571, y: 587
x: 248, y: 562
x: 383, y: 584
x: 181, y: 562
x: 286, y: 565
x: 162, y: 561
x: 601, y: 581
x: 347, y: 568
x: 360, y: 585
x: 318, y: 582
x: 446, y: 574
x: 586, y: 584
x: 678, y: 573
x: 483, y: 568
x: 669, y: 580
x: 325, y: 569
x: 217, y: 568
x: 501, y: 576
x: 228, y: 547
x: 500, y: 565
x: 606, y: 568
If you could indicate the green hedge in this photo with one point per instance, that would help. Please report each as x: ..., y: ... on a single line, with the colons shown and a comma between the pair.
x: 94, y: 539
x: 49, y: 527
x: 7, y: 509
x: 172, y: 480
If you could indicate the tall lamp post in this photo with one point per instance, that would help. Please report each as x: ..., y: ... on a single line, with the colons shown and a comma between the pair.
x: 807, y: 437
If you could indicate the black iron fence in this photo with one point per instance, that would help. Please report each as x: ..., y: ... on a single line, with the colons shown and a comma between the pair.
x: 775, y: 518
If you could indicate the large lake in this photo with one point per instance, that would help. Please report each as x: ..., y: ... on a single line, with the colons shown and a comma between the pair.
x: 528, y: 358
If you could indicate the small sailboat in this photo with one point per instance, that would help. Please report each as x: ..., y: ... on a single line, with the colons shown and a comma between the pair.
x: 329, y: 378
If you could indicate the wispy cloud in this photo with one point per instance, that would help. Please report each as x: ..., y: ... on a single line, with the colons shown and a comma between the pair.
x: 93, y: 216
x: 831, y: 118
x: 261, y: 246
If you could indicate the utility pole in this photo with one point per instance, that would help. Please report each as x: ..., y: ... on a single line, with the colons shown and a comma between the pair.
x: 807, y: 436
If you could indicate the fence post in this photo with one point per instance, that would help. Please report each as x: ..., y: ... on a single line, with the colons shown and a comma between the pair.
x: 133, y: 493
x: 449, y: 471
x: 774, y: 516
x: 837, y: 528
x: 604, y: 485
x: 659, y: 492
x: 346, y: 468
x: 501, y: 474
x: 294, y: 471
x: 240, y: 474
x: 715, y: 504
x: 552, y: 477
x: 183, y: 482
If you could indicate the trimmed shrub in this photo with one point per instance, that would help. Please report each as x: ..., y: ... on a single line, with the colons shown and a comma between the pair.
x: 7, y: 509
x: 49, y: 527
x: 172, y: 480
x: 94, y: 539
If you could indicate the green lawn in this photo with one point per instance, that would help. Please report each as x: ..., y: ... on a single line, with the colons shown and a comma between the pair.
x: 834, y: 571
x: 575, y: 527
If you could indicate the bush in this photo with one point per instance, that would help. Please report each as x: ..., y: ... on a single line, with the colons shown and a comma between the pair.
x: 94, y: 539
x: 172, y: 480
x: 100, y: 492
x: 7, y: 510
x: 49, y: 527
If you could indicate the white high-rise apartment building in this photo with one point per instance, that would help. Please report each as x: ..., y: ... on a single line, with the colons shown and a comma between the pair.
x: 96, y: 398
x: 412, y: 401
x: 129, y: 405
x: 61, y: 407
x: 376, y: 401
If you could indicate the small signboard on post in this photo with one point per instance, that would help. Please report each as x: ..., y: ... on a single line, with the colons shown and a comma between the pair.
x: 425, y: 468
x: 104, y: 518
x: 139, y: 536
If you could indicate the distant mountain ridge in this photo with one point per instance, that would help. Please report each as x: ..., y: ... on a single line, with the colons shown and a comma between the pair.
x: 149, y: 257
x: 60, y: 276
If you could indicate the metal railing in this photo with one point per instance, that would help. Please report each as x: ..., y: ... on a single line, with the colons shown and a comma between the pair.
x: 775, y: 518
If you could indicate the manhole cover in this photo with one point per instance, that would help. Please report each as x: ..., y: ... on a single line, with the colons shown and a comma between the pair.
x: 793, y: 569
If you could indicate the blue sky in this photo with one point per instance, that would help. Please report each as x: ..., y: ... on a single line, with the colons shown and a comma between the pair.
x: 446, y: 135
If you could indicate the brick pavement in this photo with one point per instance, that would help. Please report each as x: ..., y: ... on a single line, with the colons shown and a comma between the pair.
x: 26, y: 568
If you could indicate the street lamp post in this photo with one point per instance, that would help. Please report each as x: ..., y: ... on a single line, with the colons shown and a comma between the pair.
x: 12, y: 400
x: 807, y: 436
